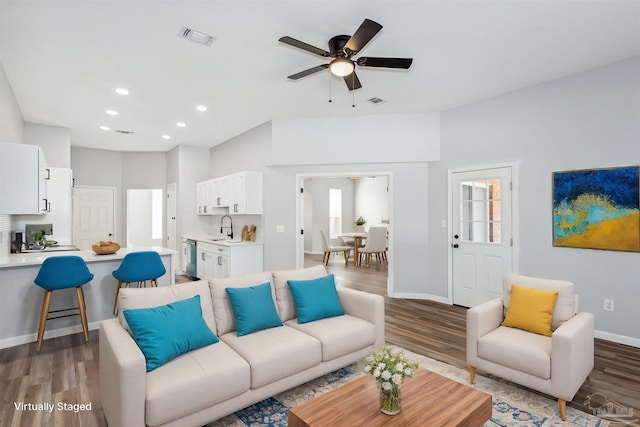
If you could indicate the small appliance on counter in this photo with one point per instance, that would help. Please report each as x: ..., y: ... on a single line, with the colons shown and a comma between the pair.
x: 17, y: 241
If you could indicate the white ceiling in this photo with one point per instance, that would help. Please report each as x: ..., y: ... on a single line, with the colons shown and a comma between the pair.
x: 64, y: 59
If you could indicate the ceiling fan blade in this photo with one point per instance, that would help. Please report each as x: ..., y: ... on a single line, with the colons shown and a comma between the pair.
x: 308, y: 72
x: 304, y: 46
x: 363, y: 35
x: 352, y: 81
x: 404, y: 63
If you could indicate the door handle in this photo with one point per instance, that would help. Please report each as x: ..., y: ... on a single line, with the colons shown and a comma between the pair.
x: 219, y: 260
x: 455, y: 246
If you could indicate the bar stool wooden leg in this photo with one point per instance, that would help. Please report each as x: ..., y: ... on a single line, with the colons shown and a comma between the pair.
x: 46, y: 301
x: 115, y: 302
x: 83, y: 312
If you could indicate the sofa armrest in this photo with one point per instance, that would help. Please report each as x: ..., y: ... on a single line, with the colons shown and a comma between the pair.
x: 572, y: 355
x: 122, y: 376
x: 481, y: 320
x: 366, y: 306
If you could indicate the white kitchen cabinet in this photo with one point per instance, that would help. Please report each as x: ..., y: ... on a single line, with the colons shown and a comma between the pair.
x: 220, y: 261
x: 246, y: 193
x: 22, y: 179
x: 220, y: 192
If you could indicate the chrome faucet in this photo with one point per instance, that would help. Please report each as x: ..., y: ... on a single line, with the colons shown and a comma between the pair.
x: 229, y: 234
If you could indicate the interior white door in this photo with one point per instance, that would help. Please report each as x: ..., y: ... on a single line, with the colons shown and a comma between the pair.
x: 482, y: 245
x: 93, y: 215
x: 172, y: 226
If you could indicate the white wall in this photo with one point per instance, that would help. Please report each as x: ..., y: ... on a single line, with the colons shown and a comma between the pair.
x: 11, y: 130
x: 54, y: 140
x: 588, y: 120
x: 11, y: 120
x: 372, y: 200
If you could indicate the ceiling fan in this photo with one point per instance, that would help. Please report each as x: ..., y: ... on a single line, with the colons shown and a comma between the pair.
x: 342, y: 49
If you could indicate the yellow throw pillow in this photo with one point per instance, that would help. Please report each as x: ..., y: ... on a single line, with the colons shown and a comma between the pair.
x: 531, y: 309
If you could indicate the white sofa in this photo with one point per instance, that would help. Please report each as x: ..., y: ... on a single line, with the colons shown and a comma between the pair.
x: 219, y: 379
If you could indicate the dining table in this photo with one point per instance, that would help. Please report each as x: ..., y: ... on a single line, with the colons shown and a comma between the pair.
x: 357, y: 237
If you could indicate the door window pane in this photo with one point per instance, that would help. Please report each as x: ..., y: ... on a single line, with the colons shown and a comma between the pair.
x: 480, y: 210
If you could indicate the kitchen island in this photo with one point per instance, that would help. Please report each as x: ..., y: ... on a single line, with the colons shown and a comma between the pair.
x: 21, y: 299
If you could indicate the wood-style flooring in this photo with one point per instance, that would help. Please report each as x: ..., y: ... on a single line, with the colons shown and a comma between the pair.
x: 66, y: 369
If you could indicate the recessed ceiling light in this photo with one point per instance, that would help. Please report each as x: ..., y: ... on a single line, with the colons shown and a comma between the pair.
x: 104, y: 127
x: 181, y: 124
x: 166, y: 137
x: 201, y: 108
x: 122, y: 91
x: 112, y: 112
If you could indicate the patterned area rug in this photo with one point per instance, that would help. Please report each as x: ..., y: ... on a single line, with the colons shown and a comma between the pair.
x: 512, y: 406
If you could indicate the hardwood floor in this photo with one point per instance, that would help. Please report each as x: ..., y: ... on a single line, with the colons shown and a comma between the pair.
x: 66, y: 369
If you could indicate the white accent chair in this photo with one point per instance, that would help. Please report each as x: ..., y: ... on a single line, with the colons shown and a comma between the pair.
x: 376, y: 244
x: 557, y: 365
x: 328, y: 249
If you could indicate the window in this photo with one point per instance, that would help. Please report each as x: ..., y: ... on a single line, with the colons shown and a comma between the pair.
x: 480, y: 208
x: 335, y: 212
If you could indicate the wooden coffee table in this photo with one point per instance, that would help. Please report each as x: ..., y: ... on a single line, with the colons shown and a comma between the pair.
x: 428, y: 399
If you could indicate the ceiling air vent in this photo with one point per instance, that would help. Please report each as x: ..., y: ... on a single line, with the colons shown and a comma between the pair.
x: 126, y: 132
x: 376, y: 100
x: 196, y: 36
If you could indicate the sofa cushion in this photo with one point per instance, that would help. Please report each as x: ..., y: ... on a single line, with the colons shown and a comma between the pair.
x: 225, y: 320
x: 275, y: 353
x: 316, y: 298
x: 339, y: 335
x: 566, y: 305
x: 253, y: 308
x: 284, y: 300
x: 162, y: 295
x: 164, y: 333
x: 517, y: 349
x: 530, y: 309
x: 195, y: 381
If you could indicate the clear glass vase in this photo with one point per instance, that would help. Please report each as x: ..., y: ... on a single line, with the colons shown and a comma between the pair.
x: 390, y: 400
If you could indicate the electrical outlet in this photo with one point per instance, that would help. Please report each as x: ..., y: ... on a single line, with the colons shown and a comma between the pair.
x: 608, y: 305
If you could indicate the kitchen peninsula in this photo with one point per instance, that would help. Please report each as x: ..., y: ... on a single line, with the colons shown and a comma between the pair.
x: 21, y: 299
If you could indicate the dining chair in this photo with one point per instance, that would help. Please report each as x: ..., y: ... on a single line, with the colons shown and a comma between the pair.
x: 328, y: 249
x: 376, y: 244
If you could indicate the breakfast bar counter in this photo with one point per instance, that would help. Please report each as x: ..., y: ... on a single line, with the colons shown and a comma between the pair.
x: 21, y: 299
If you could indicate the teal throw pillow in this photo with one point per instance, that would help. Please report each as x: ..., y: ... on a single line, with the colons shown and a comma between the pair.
x: 166, y: 332
x: 316, y: 299
x: 253, y: 308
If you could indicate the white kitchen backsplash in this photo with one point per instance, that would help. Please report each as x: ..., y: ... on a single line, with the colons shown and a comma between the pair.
x: 5, y: 235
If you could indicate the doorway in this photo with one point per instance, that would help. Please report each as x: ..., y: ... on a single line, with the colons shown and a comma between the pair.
x: 93, y: 215
x: 314, y: 213
x: 481, y: 227
x: 144, y: 217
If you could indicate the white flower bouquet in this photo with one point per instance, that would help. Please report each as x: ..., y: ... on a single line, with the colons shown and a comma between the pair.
x: 389, y: 366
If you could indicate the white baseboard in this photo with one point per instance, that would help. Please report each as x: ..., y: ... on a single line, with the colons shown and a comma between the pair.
x: 428, y: 297
x: 49, y: 333
x: 620, y: 339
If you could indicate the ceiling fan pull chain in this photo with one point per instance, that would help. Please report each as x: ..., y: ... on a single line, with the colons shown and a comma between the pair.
x: 353, y: 92
x: 330, y: 96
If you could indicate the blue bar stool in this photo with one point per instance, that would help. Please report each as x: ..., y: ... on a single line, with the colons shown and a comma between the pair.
x: 138, y: 267
x: 62, y: 272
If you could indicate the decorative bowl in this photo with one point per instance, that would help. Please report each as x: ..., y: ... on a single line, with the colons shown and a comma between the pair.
x: 106, y: 249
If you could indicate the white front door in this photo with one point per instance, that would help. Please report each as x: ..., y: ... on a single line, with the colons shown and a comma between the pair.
x: 172, y: 226
x: 481, y: 238
x: 93, y: 215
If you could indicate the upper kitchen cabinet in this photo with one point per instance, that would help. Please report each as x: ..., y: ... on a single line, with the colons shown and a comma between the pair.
x: 22, y: 179
x: 240, y: 193
x: 246, y: 193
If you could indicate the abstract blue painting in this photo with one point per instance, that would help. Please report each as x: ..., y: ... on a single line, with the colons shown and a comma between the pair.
x: 597, y: 209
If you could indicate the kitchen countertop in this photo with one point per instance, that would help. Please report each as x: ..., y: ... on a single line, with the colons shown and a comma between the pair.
x: 36, y: 258
x: 219, y: 240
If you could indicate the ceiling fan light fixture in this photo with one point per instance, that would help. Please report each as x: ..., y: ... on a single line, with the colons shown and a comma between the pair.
x: 341, y: 67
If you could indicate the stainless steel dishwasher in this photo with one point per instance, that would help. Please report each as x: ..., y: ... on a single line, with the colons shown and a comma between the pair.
x: 190, y: 250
